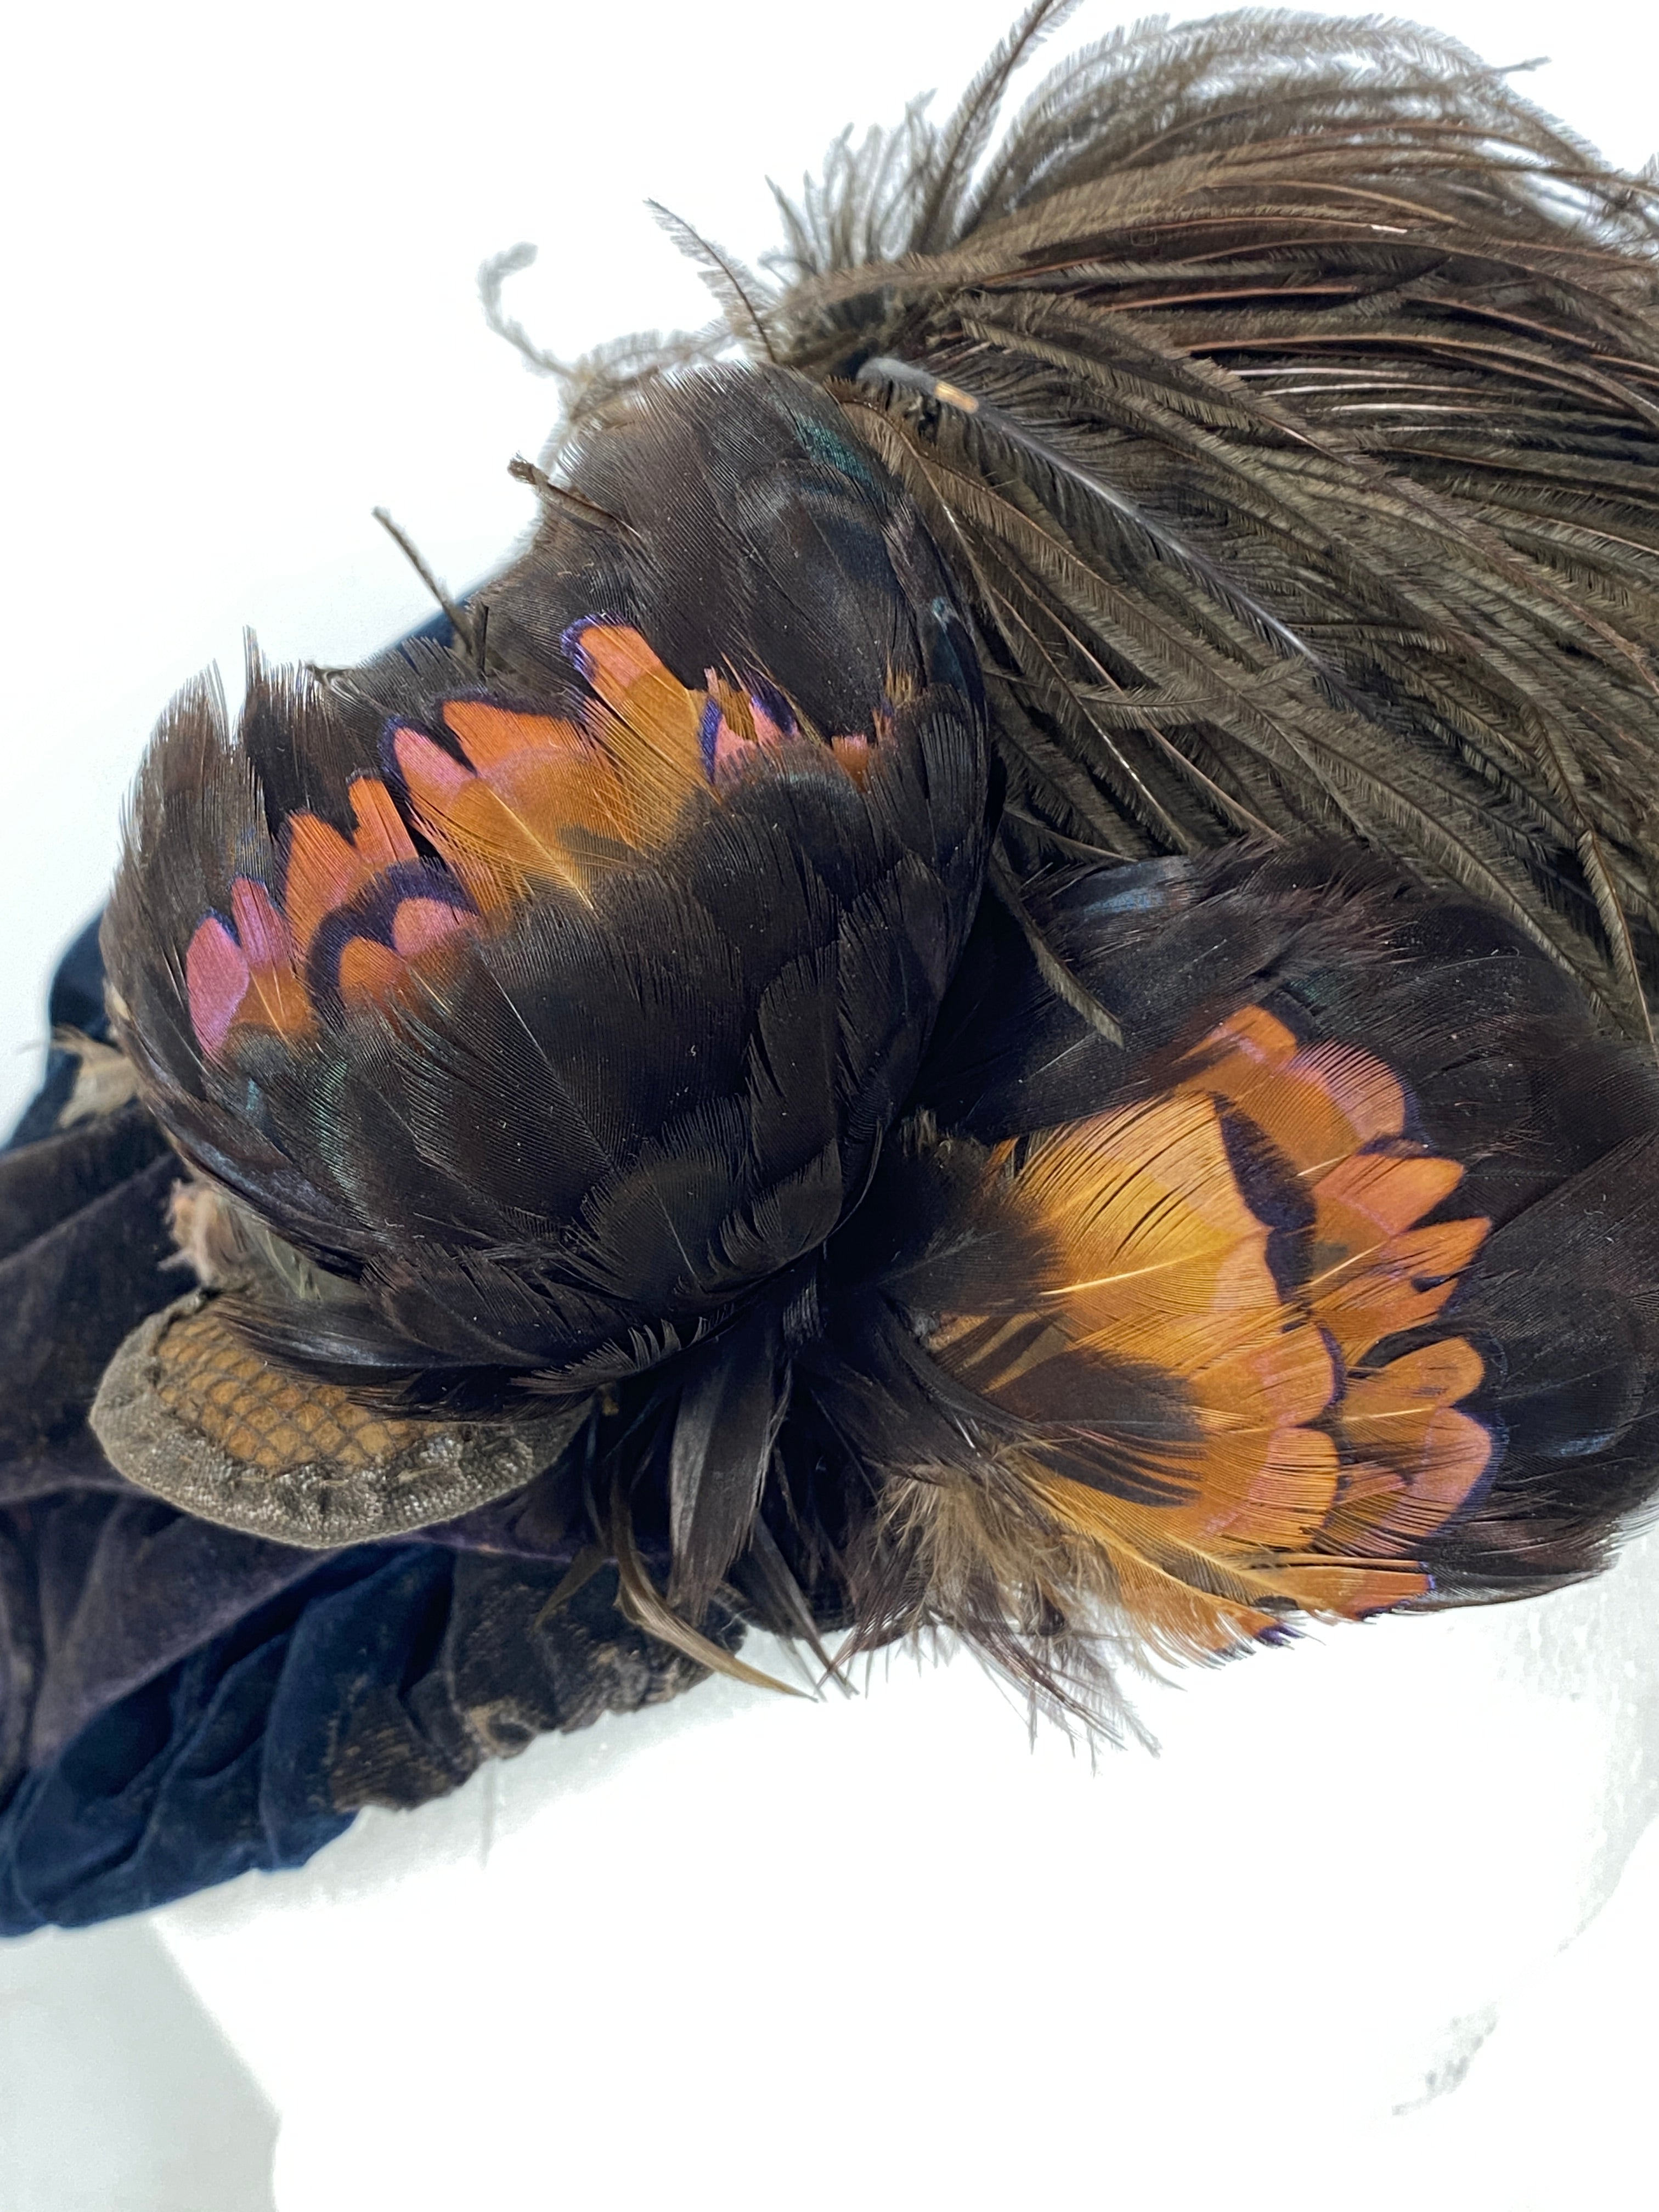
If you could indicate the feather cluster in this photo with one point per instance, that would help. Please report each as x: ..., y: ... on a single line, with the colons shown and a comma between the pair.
x: 1283, y: 393
x: 1012, y: 961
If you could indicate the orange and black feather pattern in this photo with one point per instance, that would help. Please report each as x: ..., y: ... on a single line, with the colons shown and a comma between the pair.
x: 1331, y: 1289
x: 559, y: 1015
x: 768, y: 989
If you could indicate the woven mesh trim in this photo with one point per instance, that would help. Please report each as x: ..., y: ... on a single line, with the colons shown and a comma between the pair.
x: 190, y: 1411
x: 263, y: 1415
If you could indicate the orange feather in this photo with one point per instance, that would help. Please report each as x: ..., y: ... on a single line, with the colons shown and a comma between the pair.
x: 1311, y: 1478
x: 649, y: 724
x: 516, y: 820
x: 372, y: 974
x: 325, y: 872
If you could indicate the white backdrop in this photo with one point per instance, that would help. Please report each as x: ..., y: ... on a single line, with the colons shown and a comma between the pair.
x: 877, y: 1953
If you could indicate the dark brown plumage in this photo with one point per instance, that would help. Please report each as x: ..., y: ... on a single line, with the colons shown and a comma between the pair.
x: 1252, y: 448
x: 1312, y: 479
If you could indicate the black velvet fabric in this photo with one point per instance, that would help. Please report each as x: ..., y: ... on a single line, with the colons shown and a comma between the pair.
x: 76, y: 1002
x: 179, y: 1703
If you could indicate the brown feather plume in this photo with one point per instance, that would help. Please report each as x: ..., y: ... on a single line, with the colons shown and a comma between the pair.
x: 1284, y: 393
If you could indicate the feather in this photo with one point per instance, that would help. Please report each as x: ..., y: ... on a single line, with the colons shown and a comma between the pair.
x: 727, y: 1423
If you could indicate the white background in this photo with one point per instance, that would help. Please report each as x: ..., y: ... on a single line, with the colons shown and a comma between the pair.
x: 738, y: 1952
